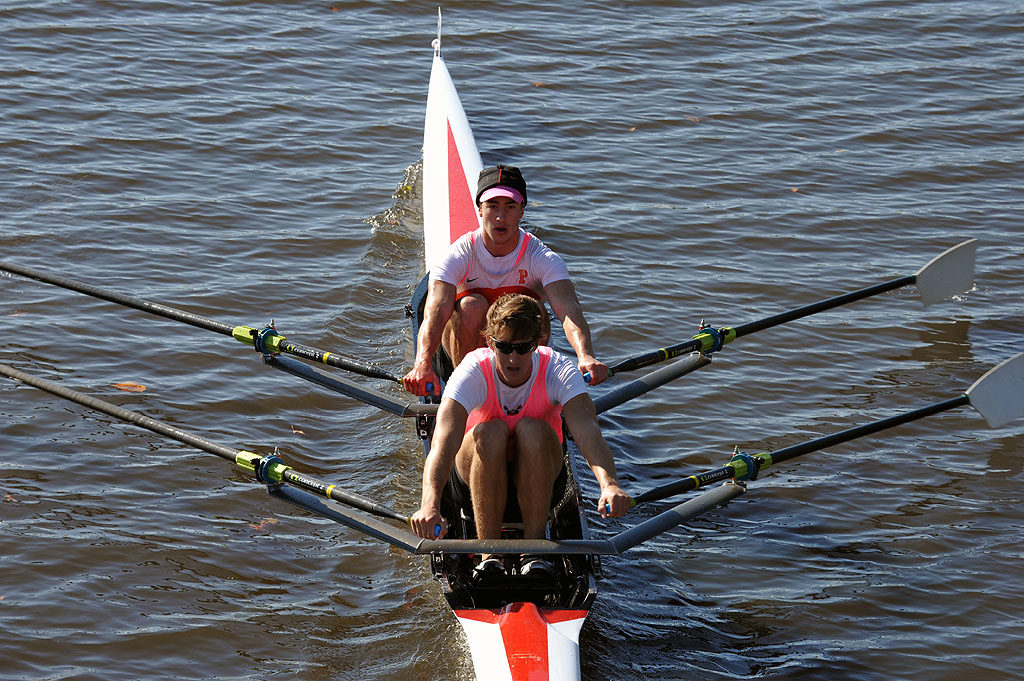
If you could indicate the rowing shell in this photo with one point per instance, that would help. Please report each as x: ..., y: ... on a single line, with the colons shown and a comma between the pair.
x: 517, y: 627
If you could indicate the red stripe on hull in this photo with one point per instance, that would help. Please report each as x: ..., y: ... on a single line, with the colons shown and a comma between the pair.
x: 525, y: 634
x: 461, y: 207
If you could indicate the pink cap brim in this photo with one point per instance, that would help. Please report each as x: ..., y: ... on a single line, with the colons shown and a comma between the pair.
x: 501, y: 190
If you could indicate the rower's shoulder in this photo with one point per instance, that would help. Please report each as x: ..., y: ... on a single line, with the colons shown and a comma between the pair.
x: 557, y: 358
x: 537, y: 250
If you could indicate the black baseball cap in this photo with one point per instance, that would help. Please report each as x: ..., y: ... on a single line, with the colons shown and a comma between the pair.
x: 502, y: 177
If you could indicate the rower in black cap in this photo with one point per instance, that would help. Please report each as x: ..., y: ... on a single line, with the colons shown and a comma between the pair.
x: 497, y: 258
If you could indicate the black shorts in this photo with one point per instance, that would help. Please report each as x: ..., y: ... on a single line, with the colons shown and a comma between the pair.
x: 461, y: 498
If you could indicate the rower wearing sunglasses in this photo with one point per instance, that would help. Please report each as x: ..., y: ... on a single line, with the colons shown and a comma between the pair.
x: 497, y: 258
x: 499, y: 433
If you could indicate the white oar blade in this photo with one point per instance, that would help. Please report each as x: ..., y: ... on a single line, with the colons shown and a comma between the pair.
x: 948, y: 273
x: 999, y: 394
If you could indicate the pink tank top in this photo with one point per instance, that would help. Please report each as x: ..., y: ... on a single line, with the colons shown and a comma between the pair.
x: 538, y: 404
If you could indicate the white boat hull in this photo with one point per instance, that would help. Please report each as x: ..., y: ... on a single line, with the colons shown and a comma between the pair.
x: 451, y: 165
x: 522, y: 642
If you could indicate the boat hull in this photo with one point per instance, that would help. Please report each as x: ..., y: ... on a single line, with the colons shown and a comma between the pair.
x: 518, y: 627
x: 522, y: 642
x: 451, y: 165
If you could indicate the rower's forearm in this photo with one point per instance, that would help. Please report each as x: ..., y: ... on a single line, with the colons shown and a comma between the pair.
x: 605, y: 475
x: 601, y: 461
x: 577, y: 332
x: 427, y: 342
x: 435, y: 478
x: 430, y: 333
x: 439, y: 307
x: 448, y: 433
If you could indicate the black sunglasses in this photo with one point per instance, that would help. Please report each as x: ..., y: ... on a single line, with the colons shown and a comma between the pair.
x: 506, y: 348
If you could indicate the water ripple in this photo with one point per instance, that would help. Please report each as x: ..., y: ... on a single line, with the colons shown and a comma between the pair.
x: 251, y: 161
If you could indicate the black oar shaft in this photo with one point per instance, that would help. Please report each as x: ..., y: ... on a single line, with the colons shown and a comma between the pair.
x: 352, y: 499
x: 823, y: 305
x: 655, y: 356
x: 239, y: 457
x: 331, y: 359
x: 306, y: 352
x: 794, y: 451
x: 685, y: 485
x: 120, y: 413
x: 119, y: 298
x: 766, y: 459
x: 695, y: 344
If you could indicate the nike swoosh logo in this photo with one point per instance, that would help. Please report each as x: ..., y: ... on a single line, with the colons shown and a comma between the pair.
x: 470, y: 281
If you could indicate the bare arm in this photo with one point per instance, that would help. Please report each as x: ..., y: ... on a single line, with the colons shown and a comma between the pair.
x: 566, y: 306
x: 448, y: 435
x: 436, y: 313
x: 581, y: 417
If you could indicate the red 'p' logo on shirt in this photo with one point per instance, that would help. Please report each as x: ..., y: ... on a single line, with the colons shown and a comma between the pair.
x: 523, y: 274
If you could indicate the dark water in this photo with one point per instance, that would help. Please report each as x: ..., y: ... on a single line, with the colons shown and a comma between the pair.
x: 258, y: 160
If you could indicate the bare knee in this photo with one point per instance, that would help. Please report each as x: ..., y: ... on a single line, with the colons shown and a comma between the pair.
x: 472, y: 307
x: 484, y: 451
x: 463, y: 333
x: 470, y: 314
x: 538, y: 448
x: 490, y: 436
x: 535, y: 435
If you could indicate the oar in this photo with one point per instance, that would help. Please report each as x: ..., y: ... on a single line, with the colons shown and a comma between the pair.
x: 612, y: 546
x: 266, y: 340
x: 655, y: 379
x: 268, y: 469
x: 946, y: 275
x: 350, y: 388
x: 317, y: 496
x: 998, y: 396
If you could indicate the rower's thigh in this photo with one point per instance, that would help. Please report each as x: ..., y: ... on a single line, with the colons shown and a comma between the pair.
x: 484, y: 448
x: 537, y: 448
x: 462, y: 334
x: 470, y: 311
